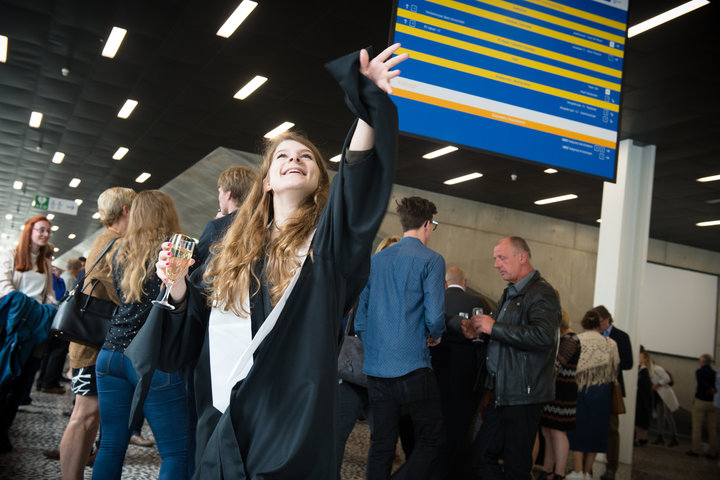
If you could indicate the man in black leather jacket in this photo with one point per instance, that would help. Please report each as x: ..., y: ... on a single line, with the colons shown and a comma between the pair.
x: 520, y: 374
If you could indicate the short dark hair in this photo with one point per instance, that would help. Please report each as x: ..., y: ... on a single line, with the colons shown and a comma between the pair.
x: 238, y: 181
x: 591, y: 320
x: 414, y: 212
x: 519, y: 243
x: 603, y: 312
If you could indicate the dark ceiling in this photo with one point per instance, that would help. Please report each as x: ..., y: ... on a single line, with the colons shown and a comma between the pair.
x: 184, y: 77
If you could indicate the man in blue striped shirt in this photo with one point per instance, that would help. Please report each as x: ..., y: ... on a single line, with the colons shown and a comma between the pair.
x: 400, y: 313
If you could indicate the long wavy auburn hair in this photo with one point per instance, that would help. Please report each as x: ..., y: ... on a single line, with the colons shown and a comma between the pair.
x: 23, y: 260
x: 153, y: 218
x: 248, y: 239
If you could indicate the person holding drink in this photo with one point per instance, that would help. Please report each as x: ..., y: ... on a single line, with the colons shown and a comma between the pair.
x: 263, y: 318
x: 152, y: 220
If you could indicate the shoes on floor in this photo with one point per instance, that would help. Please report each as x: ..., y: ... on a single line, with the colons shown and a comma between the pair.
x: 712, y: 456
x: 659, y: 440
x: 673, y: 442
x: 691, y: 453
x: 640, y: 443
x: 140, y: 441
x: 52, y: 454
x: 575, y: 475
x: 5, y: 445
x: 53, y: 390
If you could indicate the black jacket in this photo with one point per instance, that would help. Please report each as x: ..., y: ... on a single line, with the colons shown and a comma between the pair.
x: 527, y: 338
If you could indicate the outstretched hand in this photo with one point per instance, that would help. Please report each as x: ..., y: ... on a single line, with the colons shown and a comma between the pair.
x: 379, y: 68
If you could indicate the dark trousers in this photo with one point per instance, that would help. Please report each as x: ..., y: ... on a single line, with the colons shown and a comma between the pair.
x: 53, y: 362
x: 353, y: 403
x: 418, y: 393
x: 14, y: 392
x: 507, y: 433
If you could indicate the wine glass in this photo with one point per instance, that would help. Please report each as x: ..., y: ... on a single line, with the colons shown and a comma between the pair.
x: 478, y: 311
x: 181, y: 248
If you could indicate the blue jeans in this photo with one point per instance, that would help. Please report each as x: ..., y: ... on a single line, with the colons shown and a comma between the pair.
x: 165, y: 409
x: 418, y: 393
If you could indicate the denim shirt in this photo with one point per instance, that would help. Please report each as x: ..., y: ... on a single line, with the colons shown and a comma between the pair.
x: 403, y: 303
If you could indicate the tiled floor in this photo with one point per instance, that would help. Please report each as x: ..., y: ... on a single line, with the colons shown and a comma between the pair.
x: 40, y: 428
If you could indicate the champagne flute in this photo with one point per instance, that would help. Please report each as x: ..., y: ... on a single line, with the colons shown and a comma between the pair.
x: 478, y: 311
x: 181, y: 248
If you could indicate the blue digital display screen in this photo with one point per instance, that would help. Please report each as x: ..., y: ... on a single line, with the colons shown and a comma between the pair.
x: 537, y: 80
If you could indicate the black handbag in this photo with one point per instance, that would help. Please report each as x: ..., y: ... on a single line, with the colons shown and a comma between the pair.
x: 82, y: 318
x: 351, y: 358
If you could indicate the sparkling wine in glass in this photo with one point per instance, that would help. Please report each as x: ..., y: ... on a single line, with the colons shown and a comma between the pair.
x: 181, y: 248
x: 478, y: 311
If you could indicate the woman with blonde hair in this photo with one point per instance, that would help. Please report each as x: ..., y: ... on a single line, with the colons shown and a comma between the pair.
x: 153, y: 219
x: 290, y: 266
x: 25, y: 269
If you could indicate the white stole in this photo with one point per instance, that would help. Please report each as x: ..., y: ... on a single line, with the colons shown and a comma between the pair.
x: 229, y: 334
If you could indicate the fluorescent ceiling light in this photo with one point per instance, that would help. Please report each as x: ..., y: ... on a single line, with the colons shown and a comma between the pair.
x: 142, y: 177
x: 127, y: 109
x: 237, y: 17
x: 709, y: 223
x: 561, y: 198
x: 120, y: 153
x: 58, y: 157
x: 711, y: 178
x: 284, y: 127
x: 78, y: 201
x: 336, y: 158
x: 50, y: 216
x: 550, y: 171
x: 71, y: 236
x: 74, y: 182
x: 666, y: 17
x: 438, y: 153
x: 464, y: 178
x: 3, y: 48
x: 8, y: 216
x: 96, y: 215
x: 599, y: 220
x: 250, y: 87
x: 113, y: 42
x: 35, y: 119
x: 17, y: 185
x: 54, y: 228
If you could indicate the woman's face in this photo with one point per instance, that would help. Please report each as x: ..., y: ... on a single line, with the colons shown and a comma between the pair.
x: 40, y: 234
x: 292, y: 169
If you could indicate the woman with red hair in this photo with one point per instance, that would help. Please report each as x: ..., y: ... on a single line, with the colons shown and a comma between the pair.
x: 25, y: 269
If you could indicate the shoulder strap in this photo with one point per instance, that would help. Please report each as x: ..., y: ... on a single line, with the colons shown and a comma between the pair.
x: 101, y: 256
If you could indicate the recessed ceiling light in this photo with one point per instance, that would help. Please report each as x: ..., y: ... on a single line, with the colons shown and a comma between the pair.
x: 8, y: 216
x: 250, y: 87
x: 71, y: 236
x: 54, y: 228
x: 336, y: 158
x: 56, y: 249
x: 710, y: 223
x: 113, y: 42
x: 50, y: 216
x: 711, y: 178
x: 666, y: 17
x: 713, y: 201
x: 440, y: 152
x: 127, y: 109
x: 36, y: 119
x: 17, y: 185
x: 561, y: 198
x: 599, y: 220
x: 283, y: 127
x: 74, y: 183
x: 58, y: 157
x: 96, y: 215
x: 3, y: 48
x: 550, y: 171
x: 120, y: 153
x: 78, y: 201
x: 236, y: 18
x: 464, y: 178
x: 142, y: 177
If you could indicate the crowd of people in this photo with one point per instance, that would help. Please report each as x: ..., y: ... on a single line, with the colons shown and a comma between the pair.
x: 239, y: 379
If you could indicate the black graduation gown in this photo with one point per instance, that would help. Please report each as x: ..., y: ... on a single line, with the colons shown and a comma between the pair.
x: 281, y: 420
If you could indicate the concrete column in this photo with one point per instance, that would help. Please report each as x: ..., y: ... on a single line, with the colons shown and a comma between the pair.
x: 621, y: 259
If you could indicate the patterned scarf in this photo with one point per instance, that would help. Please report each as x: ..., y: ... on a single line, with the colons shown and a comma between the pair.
x: 598, y: 360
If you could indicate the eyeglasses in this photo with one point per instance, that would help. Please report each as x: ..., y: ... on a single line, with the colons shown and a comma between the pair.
x: 43, y: 230
x: 434, y: 224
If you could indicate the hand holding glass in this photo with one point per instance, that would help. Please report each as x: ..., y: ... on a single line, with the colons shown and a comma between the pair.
x: 475, y: 312
x: 181, y: 250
